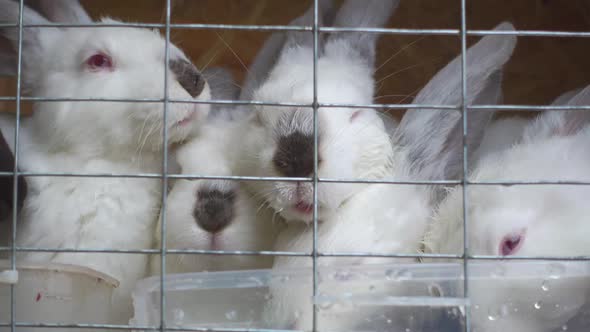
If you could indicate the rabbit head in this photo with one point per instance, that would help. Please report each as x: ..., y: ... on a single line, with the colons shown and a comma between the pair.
x: 103, y: 62
x: 352, y: 142
x: 527, y: 220
x: 536, y: 220
x: 214, y: 214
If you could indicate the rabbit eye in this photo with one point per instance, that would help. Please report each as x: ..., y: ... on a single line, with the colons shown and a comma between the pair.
x: 99, y: 61
x: 511, y: 243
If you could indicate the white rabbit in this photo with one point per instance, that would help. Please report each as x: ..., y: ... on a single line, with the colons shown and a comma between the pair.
x: 214, y: 214
x: 97, y: 137
x: 505, y: 132
x: 279, y: 134
x: 376, y: 218
x: 529, y: 220
x: 501, y: 134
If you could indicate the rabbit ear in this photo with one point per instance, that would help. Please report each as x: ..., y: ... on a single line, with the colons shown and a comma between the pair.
x: 305, y: 38
x: 362, y: 14
x: 434, y: 138
x: 221, y: 82
x: 566, y: 97
x: 561, y: 123
x: 263, y: 62
x: 223, y: 87
x: 61, y: 11
x: 34, y: 38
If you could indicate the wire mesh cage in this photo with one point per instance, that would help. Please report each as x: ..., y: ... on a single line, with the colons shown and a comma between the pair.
x: 450, y: 286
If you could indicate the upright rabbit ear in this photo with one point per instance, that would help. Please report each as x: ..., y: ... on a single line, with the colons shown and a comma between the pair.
x: 34, y: 38
x: 305, y: 38
x: 263, y: 63
x: 434, y: 138
x: 222, y: 85
x: 362, y: 14
x: 559, y: 122
x: 61, y: 11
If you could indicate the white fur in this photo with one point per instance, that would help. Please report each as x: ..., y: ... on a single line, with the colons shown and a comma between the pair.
x: 357, y: 148
x: 501, y: 134
x: 96, y: 137
x: 382, y: 218
x: 253, y: 228
x: 554, y: 217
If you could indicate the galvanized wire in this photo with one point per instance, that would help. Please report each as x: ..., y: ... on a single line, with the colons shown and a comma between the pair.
x: 465, y: 161
x: 15, y: 173
x: 315, y: 29
x: 164, y: 175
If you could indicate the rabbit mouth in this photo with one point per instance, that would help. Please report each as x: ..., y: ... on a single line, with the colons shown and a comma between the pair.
x: 187, y: 119
x: 303, y: 207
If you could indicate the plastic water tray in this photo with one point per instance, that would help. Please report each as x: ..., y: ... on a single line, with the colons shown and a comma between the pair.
x: 518, y: 296
x: 56, y: 294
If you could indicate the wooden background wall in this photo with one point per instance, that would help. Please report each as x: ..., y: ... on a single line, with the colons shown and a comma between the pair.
x: 541, y: 68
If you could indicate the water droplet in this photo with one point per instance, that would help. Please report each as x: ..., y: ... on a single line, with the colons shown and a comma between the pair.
x: 372, y: 287
x: 268, y: 296
x: 178, y: 316
x: 545, y: 285
x: 496, y: 313
x: 408, y: 330
x: 231, y: 315
x: 398, y: 275
x: 325, y: 305
x: 435, y: 290
x: 499, y: 271
x: 555, y: 270
x: 342, y: 275
x: 297, y: 314
x: 564, y: 328
x: 537, y: 305
x: 389, y: 321
x: 453, y: 313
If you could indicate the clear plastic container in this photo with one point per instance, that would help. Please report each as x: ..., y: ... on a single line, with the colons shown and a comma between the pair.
x: 56, y: 294
x: 518, y: 296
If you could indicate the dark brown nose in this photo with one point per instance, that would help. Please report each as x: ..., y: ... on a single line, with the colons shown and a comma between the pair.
x: 214, y: 209
x: 294, y: 155
x: 188, y: 76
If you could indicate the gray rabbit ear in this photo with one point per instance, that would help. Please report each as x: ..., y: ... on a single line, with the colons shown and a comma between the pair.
x: 561, y: 122
x: 261, y: 66
x: 362, y: 14
x: 221, y: 82
x: 34, y: 39
x: 61, y: 11
x: 296, y: 39
x: 434, y: 138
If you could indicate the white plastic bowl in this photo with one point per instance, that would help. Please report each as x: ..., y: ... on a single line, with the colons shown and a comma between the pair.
x: 56, y: 294
x: 504, y: 297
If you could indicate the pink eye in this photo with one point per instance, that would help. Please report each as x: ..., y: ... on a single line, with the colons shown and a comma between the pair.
x: 99, y: 61
x: 511, y: 243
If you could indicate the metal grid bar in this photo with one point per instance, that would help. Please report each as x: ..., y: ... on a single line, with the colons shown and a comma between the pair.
x: 465, y: 160
x: 326, y: 105
x: 315, y: 166
x: 394, y: 31
x: 164, y: 174
x: 315, y: 29
x: 15, y: 172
